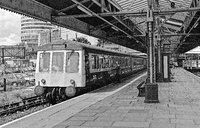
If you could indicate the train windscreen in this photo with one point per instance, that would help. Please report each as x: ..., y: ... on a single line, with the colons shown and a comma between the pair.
x: 57, y: 61
x: 72, y: 62
x: 44, y: 62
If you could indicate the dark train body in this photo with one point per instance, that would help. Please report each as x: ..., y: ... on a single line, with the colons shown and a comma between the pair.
x: 67, y: 67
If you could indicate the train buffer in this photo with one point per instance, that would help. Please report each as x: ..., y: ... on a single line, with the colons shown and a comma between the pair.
x: 141, y: 89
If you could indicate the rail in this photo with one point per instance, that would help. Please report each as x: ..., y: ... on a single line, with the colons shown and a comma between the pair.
x: 23, y: 105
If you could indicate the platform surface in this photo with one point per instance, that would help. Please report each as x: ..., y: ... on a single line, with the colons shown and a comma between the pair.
x: 179, y: 107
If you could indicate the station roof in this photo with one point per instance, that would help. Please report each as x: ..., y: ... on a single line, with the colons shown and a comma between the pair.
x: 194, y: 51
x: 170, y: 24
x: 86, y: 16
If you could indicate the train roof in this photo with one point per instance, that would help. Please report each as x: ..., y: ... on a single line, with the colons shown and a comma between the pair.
x: 68, y: 45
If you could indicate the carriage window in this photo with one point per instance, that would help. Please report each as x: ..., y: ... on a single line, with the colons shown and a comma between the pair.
x: 112, y: 61
x: 57, y: 62
x: 125, y: 62
x: 106, y: 61
x: 139, y: 61
x: 101, y: 65
x: 135, y: 61
x: 93, y: 61
x: 72, y: 62
x: 44, y: 62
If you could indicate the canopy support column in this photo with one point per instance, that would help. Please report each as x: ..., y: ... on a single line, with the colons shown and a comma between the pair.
x: 159, y: 74
x: 151, y: 88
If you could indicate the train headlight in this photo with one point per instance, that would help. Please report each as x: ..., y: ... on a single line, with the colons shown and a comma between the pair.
x: 43, y: 81
x: 39, y: 90
x: 70, y: 91
x: 72, y: 82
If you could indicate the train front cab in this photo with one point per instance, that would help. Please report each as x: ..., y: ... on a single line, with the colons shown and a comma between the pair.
x: 59, y: 73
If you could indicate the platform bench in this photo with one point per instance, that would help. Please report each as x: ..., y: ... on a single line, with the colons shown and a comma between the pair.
x: 141, y: 88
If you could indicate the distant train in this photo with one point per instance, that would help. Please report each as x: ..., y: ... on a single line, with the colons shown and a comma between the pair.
x: 66, y: 68
x: 191, y: 64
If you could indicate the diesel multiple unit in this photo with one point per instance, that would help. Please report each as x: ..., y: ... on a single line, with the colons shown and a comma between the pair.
x: 66, y: 68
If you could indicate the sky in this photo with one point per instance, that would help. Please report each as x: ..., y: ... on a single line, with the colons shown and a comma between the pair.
x: 10, y: 29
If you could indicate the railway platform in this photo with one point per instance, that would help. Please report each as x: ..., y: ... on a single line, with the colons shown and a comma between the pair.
x: 114, y: 107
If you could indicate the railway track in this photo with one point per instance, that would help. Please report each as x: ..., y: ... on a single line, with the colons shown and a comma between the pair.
x: 21, y: 106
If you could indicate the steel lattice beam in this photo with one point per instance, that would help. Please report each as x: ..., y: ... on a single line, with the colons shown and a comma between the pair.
x: 42, y: 12
x: 137, y: 14
x: 103, y: 19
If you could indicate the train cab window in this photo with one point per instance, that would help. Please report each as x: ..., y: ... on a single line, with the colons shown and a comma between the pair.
x: 72, y: 62
x: 57, y: 62
x: 44, y: 62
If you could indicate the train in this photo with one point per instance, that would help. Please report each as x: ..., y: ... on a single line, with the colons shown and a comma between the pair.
x: 191, y: 62
x: 66, y: 68
x: 191, y: 65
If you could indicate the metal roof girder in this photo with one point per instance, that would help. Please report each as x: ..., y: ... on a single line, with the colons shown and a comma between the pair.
x: 96, y: 15
x: 106, y: 21
x: 115, y: 4
x: 143, y: 13
x: 188, y: 20
x: 103, y: 25
x: 137, y: 14
x: 117, y: 18
x: 183, y: 40
x: 73, y: 6
x: 192, y: 27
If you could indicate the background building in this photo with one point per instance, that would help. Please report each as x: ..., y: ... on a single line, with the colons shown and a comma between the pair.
x: 33, y: 30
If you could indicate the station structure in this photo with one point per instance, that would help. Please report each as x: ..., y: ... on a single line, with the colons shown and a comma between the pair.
x: 160, y: 28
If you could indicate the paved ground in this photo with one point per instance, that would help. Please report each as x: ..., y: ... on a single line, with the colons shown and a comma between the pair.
x: 179, y: 107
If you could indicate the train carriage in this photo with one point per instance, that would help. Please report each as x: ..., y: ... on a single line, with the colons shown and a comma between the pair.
x: 67, y: 67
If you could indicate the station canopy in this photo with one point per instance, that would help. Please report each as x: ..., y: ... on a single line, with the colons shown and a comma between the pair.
x: 194, y: 51
x: 91, y: 17
x: 171, y: 24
